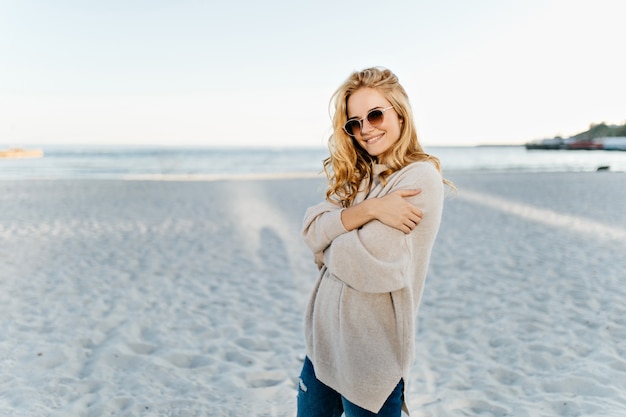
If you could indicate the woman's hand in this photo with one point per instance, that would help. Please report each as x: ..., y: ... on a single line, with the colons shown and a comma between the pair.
x: 392, y: 210
x: 395, y: 211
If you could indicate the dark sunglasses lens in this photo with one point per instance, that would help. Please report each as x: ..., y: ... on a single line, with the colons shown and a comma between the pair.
x: 375, y: 117
x: 352, y: 127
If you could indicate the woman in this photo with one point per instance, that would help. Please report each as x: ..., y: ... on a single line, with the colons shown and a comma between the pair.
x: 372, y: 241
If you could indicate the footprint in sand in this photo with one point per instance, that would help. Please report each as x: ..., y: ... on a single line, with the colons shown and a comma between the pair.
x: 182, y: 360
x: 258, y: 344
x: 505, y: 376
x: 266, y: 379
x: 239, y: 358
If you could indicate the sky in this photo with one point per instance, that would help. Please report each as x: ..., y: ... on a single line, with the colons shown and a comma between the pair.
x: 261, y: 73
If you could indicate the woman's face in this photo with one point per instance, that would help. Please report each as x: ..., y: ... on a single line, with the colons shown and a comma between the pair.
x: 375, y: 140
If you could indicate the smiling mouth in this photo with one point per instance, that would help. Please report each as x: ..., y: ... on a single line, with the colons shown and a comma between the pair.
x: 374, y: 140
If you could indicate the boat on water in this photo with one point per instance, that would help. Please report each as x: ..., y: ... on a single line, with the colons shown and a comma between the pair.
x: 585, y: 144
x: 611, y: 143
x: 615, y: 143
x: 21, y: 153
x: 553, y: 143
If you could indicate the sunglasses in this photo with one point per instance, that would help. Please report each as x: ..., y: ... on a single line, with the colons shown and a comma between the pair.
x: 374, y: 118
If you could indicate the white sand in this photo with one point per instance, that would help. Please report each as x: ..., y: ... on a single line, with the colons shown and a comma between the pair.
x: 144, y: 298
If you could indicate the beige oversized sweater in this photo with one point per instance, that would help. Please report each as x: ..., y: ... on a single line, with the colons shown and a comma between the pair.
x: 361, y: 317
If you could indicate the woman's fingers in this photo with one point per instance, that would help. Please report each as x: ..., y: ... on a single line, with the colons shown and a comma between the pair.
x: 415, y: 216
x: 412, y: 221
x: 399, y: 213
x: 408, y: 225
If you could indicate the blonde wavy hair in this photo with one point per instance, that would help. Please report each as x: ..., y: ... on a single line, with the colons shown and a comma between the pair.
x: 349, y: 164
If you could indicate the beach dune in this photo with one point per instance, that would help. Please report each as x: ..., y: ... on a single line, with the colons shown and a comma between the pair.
x: 178, y: 298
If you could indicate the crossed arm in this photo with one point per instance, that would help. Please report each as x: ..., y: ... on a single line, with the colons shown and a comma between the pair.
x: 392, y: 210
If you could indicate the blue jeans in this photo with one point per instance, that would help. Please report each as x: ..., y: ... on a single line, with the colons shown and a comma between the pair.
x: 318, y: 400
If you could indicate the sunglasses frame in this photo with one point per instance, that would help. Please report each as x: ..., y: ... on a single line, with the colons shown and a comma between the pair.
x: 360, y: 121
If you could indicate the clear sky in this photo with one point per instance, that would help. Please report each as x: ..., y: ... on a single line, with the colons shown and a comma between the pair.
x: 229, y: 73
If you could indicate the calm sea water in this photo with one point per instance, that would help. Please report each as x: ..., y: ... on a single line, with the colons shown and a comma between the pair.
x: 63, y: 162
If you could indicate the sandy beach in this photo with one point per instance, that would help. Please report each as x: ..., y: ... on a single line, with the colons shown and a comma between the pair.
x: 186, y: 298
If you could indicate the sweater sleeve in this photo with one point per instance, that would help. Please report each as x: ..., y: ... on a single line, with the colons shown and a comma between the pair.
x: 378, y: 258
x: 322, y: 224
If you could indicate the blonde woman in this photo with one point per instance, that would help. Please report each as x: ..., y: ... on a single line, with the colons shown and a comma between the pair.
x: 372, y: 239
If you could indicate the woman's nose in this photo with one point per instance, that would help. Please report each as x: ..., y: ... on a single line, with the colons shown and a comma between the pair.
x: 366, y: 126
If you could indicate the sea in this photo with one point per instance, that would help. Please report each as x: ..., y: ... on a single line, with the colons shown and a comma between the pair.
x: 143, y: 162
